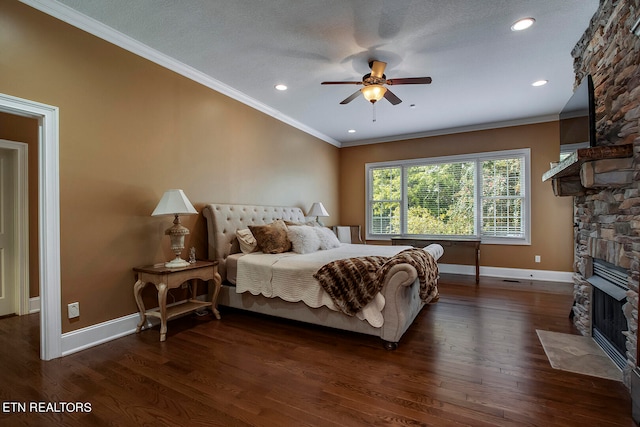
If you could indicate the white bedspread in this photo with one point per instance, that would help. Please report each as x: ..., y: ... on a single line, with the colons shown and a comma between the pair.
x: 289, y: 276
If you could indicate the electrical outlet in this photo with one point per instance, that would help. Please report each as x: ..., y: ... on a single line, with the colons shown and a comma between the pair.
x: 537, y: 258
x: 74, y: 310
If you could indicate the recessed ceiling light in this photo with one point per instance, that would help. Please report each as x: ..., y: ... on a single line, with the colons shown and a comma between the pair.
x: 280, y: 87
x: 522, y: 24
x: 540, y: 83
x: 351, y: 131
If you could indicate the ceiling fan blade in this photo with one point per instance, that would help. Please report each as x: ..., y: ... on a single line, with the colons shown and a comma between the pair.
x: 377, y: 68
x: 341, y: 83
x: 351, y: 97
x: 410, y: 81
x: 392, y: 98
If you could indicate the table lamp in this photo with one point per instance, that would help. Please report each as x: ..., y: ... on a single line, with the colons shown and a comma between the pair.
x: 174, y: 202
x: 318, y: 210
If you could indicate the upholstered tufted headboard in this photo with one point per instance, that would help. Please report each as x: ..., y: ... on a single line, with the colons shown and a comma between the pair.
x: 223, y: 220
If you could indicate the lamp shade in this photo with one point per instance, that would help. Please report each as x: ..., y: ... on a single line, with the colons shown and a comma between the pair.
x: 174, y: 202
x: 317, y: 209
x: 373, y: 93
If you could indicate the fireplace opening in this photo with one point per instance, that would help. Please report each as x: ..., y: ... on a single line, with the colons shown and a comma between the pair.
x: 608, y: 318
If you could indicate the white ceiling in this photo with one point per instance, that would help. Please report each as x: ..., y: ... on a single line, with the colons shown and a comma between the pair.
x: 482, y: 71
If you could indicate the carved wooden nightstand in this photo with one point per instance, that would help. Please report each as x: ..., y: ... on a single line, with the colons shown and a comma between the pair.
x: 164, y: 278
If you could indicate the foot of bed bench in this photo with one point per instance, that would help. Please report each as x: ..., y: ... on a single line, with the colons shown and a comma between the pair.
x: 388, y: 345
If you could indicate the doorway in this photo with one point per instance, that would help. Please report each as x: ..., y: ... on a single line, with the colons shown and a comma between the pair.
x: 14, y: 229
x: 48, y: 218
x: 8, y: 259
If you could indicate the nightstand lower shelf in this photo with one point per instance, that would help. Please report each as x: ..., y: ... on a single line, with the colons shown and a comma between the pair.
x: 179, y: 309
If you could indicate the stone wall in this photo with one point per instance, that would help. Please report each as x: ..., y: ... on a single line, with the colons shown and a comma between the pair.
x: 607, y: 216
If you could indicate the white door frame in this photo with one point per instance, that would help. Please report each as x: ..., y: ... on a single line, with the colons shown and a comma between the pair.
x: 48, y: 218
x: 21, y: 224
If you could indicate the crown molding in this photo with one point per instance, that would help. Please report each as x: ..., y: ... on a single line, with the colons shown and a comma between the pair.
x: 72, y: 17
x: 450, y: 131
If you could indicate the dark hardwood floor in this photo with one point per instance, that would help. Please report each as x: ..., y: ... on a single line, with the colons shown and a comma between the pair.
x: 471, y: 359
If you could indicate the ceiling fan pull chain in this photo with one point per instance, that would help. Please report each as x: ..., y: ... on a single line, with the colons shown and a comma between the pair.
x: 374, y: 112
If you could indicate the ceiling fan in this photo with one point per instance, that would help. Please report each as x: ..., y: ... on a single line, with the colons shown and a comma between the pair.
x: 374, y: 89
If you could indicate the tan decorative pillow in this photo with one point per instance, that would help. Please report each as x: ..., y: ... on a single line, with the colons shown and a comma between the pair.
x: 246, y: 240
x: 272, y: 238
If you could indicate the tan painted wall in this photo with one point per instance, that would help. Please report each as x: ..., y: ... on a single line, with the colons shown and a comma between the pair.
x: 129, y: 130
x: 552, y: 217
x: 23, y: 129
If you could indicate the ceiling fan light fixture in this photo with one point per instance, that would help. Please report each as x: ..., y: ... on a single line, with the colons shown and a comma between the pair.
x: 373, y: 93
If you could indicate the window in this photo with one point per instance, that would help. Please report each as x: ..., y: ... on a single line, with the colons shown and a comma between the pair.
x: 502, y: 197
x: 385, y: 200
x: 480, y: 195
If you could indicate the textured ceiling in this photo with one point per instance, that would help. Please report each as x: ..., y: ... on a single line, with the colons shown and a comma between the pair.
x: 481, y: 70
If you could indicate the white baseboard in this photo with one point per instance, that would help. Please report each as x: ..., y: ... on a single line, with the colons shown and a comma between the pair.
x: 101, y: 333
x: 34, y: 305
x: 509, y: 273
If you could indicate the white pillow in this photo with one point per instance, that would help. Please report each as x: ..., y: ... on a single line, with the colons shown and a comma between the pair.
x: 247, y: 242
x: 303, y: 239
x: 328, y: 239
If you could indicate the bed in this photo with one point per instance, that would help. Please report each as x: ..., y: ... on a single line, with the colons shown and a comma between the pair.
x: 252, y: 281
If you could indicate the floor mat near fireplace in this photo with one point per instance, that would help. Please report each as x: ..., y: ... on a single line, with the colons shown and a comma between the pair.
x: 575, y: 353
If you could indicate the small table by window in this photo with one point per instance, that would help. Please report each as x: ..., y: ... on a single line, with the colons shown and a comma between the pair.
x: 164, y: 278
x: 421, y: 243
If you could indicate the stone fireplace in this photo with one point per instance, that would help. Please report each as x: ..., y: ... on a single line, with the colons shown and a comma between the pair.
x: 604, y: 180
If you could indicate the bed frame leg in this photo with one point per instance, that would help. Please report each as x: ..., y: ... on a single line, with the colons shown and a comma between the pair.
x: 388, y: 345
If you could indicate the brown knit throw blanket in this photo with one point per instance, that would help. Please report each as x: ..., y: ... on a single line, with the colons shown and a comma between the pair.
x: 353, y: 282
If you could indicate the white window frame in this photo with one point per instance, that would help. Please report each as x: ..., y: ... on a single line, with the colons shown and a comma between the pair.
x: 475, y: 157
x: 401, y: 200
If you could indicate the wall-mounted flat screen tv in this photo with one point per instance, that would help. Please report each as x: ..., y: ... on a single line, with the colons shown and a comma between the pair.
x: 577, y: 118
